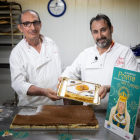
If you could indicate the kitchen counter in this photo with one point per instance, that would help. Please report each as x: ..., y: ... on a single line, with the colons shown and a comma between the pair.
x: 8, y: 114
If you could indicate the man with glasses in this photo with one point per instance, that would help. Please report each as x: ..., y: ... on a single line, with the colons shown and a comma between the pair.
x: 35, y: 64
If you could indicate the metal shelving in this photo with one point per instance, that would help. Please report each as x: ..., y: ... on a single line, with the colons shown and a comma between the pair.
x: 9, y: 33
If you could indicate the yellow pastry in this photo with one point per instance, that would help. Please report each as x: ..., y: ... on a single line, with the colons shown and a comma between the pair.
x: 81, y: 87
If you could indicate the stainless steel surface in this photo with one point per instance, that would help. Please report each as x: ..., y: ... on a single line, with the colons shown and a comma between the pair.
x: 101, y: 134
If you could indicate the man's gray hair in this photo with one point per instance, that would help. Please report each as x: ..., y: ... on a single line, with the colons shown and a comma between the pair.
x: 26, y: 11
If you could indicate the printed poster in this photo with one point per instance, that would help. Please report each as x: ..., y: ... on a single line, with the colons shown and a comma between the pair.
x: 123, y: 103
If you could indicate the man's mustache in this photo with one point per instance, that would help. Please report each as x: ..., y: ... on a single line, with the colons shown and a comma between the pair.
x: 101, y: 38
x: 33, y: 31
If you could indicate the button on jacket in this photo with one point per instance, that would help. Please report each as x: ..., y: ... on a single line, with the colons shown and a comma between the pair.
x: 91, y: 67
x: 28, y: 67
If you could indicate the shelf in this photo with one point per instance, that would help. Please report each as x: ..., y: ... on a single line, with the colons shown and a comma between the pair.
x: 8, y: 7
x: 4, y: 6
x: 11, y: 34
x: 4, y: 65
x: 8, y: 45
x: 4, y: 18
x: 5, y: 22
x: 8, y: 42
x: 7, y: 18
x: 8, y: 12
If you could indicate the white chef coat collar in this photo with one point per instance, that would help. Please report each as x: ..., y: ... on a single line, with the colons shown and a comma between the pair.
x: 99, y: 63
x: 40, y: 36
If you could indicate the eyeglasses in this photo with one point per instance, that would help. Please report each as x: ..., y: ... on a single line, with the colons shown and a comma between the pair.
x: 28, y: 24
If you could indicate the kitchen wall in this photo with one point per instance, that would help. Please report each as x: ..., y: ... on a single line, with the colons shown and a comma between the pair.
x: 71, y: 31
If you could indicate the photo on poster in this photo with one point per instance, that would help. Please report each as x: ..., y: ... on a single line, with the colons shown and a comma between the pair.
x: 123, y: 102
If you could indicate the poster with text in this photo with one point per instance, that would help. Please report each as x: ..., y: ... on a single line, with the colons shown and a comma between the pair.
x: 123, y: 103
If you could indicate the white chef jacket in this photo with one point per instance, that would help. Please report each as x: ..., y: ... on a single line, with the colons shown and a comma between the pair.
x: 92, y: 67
x: 28, y: 67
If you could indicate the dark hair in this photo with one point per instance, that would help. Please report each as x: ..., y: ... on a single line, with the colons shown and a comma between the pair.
x: 100, y: 17
x: 26, y: 11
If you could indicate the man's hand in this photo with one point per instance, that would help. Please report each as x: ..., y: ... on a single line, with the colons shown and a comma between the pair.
x: 37, y: 91
x: 65, y: 101
x: 51, y: 94
x: 103, y: 91
x: 59, y: 79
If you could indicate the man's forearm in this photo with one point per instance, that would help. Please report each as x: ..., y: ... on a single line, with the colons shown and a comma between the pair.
x: 35, y: 91
x: 104, y: 90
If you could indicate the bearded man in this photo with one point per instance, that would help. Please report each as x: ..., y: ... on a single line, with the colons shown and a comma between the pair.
x: 96, y: 64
